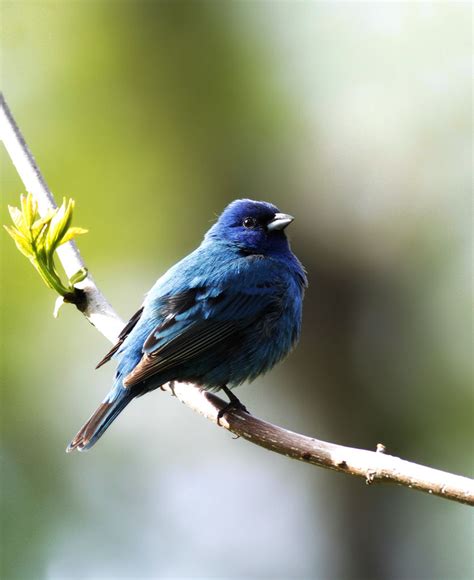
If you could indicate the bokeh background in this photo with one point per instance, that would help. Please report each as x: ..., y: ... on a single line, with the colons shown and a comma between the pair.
x: 355, y: 118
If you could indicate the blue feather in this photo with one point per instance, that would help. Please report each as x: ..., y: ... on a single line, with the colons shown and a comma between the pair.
x: 225, y: 314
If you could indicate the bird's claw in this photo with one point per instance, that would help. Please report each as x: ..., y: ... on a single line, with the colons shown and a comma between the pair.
x: 234, y: 404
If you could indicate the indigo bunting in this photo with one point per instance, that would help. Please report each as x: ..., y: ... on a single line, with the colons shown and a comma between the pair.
x: 225, y: 314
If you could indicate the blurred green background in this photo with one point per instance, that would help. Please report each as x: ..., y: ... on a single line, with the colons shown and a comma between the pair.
x: 355, y: 118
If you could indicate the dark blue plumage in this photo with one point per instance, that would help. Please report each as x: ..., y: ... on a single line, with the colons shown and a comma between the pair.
x: 225, y: 314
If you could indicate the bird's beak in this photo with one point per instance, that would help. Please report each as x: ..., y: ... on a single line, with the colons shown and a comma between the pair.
x: 280, y: 221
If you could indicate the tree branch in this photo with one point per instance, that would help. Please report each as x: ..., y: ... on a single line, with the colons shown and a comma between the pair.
x: 373, y: 466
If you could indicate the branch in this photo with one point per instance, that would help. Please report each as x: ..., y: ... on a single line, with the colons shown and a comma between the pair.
x: 373, y: 466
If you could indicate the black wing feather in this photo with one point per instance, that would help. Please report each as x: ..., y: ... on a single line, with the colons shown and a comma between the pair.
x: 127, y: 329
x: 190, y: 343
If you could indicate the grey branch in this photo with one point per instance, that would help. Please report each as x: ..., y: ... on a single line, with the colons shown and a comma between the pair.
x: 373, y: 466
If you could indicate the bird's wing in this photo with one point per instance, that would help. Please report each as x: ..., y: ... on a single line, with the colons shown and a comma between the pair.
x: 195, y: 322
x: 127, y: 329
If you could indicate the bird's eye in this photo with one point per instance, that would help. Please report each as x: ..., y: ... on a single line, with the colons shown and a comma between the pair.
x: 249, y: 222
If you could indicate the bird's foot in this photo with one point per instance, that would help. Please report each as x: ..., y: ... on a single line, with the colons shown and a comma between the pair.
x: 234, y: 404
x: 171, y: 388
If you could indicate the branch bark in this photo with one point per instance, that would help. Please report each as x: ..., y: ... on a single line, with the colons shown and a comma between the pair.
x: 373, y: 466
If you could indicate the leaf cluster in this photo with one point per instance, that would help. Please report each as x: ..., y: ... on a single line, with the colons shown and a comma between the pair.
x: 38, y: 238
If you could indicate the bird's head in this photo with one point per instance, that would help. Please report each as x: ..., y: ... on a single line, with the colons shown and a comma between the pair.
x: 255, y: 227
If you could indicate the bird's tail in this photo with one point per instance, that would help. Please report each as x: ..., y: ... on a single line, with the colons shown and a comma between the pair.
x: 98, y: 423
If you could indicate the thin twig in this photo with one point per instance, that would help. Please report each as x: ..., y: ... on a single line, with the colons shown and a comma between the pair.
x: 373, y: 466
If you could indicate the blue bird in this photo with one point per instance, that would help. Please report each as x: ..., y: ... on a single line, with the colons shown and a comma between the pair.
x: 225, y: 314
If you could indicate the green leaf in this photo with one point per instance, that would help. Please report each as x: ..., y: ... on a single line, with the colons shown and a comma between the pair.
x: 79, y: 276
x: 59, y: 225
x: 69, y: 235
x: 41, y: 222
x: 29, y: 209
x: 51, y: 235
x: 40, y: 239
x: 66, y: 221
x: 21, y: 243
x: 16, y: 216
